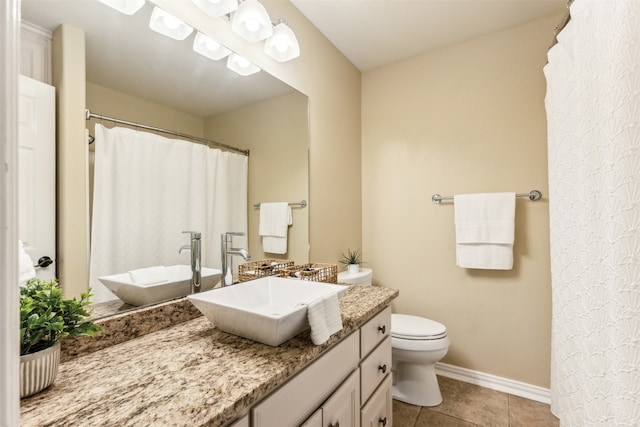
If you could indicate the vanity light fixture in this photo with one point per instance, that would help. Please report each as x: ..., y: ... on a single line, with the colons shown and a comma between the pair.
x: 251, y: 21
x: 216, y: 8
x: 240, y: 65
x: 128, y: 7
x: 282, y: 45
x: 168, y: 25
x: 208, y: 47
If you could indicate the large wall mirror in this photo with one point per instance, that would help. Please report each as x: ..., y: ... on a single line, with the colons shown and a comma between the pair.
x: 135, y: 74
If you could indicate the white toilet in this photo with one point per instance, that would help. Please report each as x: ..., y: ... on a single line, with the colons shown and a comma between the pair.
x: 417, y: 344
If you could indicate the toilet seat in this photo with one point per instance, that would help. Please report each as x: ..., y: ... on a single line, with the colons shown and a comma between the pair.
x: 407, y: 327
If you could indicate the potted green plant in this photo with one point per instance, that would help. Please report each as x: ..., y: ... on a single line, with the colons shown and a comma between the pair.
x: 45, y: 318
x: 352, y: 260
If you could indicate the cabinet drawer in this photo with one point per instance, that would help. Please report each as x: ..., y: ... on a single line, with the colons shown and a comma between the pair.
x: 374, y: 331
x: 291, y: 404
x: 374, y: 368
x: 378, y: 412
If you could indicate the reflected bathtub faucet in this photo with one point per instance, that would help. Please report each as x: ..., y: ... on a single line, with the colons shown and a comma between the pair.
x: 196, y: 270
x: 227, y: 252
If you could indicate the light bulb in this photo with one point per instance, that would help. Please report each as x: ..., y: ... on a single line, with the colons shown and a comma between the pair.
x: 281, y: 45
x: 252, y: 25
x: 168, y: 25
x: 251, y: 21
x: 170, y: 21
x: 212, y: 45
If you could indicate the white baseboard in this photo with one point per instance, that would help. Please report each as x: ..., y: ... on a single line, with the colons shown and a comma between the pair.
x: 517, y: 388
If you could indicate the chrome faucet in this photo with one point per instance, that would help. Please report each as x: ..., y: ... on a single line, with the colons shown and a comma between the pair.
x: 227, y: 251
x: 194, y: 248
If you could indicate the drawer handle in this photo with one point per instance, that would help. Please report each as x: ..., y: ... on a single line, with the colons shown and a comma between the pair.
x: 337, y: 424
x: 382, y: 421
x: 383, y: 368
x: 382, y: 328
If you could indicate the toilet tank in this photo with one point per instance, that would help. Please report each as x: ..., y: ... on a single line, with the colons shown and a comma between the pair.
x: 363, y: 277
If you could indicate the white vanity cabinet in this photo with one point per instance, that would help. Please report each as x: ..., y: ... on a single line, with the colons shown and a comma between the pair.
x: 349, y: 386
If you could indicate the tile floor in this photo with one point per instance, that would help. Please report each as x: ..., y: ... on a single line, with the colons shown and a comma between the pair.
x: 469, y: 405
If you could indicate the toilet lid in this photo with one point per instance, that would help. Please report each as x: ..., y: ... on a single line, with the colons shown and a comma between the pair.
x: 414, y: 327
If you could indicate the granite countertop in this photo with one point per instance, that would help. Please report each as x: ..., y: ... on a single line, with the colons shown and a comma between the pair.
x: 189, y: 374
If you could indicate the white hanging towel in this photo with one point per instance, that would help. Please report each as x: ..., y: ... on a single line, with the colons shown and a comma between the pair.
x: 485, y: 224
x: 275, y: 219
x: 324, y: 318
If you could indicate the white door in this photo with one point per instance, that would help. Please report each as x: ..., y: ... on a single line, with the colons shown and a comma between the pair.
x: 37, y: 173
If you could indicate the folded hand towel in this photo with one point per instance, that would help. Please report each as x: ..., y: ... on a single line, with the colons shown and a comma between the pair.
x: 275, y: 219
x: 485, y: 230
x: 324, y: 318
x: 27, y: 271
x: 149, y: 275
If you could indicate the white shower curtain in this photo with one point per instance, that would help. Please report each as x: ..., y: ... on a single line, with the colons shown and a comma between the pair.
x: 148, y: 189
x: 593, y: 114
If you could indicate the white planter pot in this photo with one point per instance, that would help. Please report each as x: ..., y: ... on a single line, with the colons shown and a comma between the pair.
x: 353, y: 268
x: 38, y: 370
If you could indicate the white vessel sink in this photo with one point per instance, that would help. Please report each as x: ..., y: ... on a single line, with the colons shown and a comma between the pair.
x: 177, y: 285
x: 269, y: 310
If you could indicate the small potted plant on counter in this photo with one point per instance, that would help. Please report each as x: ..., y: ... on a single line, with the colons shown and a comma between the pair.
x: 46, y: 318
x: 352, y: 260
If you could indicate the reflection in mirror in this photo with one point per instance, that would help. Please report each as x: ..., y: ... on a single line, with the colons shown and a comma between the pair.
x: 135, y: 74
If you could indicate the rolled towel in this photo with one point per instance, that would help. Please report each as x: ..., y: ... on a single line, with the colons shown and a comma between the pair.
x: 324, y: 318
x: 27, y: 271
x: 149, y: 275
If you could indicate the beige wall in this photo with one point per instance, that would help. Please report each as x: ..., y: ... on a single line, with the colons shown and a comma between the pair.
x: 276, y: 132
x: 468, y: 118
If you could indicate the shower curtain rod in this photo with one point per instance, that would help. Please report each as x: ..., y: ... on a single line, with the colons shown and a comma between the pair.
x: 208, y: 142
x: 533, y: 195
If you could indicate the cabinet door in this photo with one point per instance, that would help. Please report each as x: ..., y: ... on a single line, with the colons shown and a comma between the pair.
x: 342, y: 409
x: 378, y: 412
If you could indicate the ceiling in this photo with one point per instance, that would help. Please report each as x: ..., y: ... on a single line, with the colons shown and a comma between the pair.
x: 372, y: 33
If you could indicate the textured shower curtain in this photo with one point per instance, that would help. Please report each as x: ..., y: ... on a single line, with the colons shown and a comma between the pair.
x: 148, y: 190
x: 593, y: 114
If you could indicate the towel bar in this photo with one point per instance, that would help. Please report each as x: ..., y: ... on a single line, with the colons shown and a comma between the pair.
x: 533, y: 195
x: 302, y: 204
